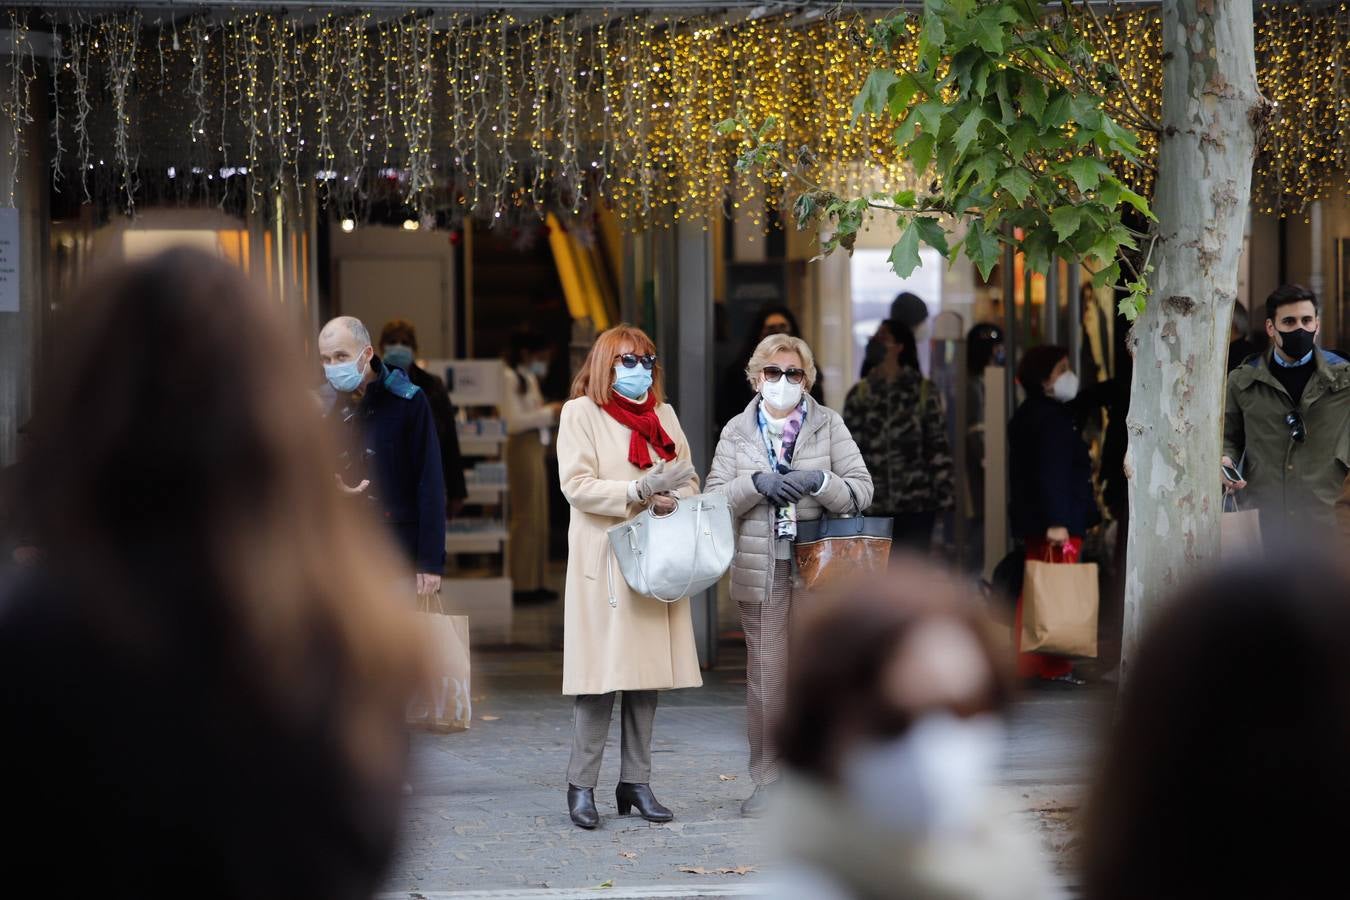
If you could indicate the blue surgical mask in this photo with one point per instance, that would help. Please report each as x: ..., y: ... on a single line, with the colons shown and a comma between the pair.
x: 632, y: 383
x: 400, y: 356
x: 345, y: 377
x: 539, y: 368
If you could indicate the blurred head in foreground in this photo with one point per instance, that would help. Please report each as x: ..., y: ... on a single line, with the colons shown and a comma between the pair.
x: 203, y: 679
x: 893, y: 733
x: 1226, y: 773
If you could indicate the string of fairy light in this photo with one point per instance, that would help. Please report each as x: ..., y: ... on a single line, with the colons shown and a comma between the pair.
x: 504, y: 116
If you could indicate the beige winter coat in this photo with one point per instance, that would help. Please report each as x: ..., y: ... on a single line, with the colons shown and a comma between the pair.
x: 640, y: 644
x: 824, y: 444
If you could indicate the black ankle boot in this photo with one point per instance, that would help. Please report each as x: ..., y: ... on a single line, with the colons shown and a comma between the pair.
x: 581, y: 806
x: 629, y: 795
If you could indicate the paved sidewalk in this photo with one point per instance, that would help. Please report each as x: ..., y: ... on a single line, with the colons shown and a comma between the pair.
x: 488, y: 811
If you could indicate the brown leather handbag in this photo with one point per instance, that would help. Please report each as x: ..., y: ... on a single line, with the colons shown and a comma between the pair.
x: 832, y: 550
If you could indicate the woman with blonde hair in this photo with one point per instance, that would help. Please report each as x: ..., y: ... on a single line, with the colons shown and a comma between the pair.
x: 620, y: 450
x: 785, y: 459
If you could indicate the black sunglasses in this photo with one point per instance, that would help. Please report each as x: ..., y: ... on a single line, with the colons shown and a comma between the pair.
x: 794, y: 376
x: 1297, y: 430
x: 630, y: 360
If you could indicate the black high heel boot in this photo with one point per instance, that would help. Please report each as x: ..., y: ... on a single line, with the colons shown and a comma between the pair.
x: 581, y: 807
x: 629, y: 795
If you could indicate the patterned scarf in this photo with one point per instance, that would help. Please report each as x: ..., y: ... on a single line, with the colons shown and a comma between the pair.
x: 646, y: 427
x: 785, y: 519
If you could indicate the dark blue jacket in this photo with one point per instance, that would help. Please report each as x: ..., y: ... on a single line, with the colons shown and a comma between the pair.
x: 1051, y: 471
x: 390, y: 438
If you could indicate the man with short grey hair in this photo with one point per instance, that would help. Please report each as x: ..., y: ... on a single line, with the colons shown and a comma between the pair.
x: 391, y: 457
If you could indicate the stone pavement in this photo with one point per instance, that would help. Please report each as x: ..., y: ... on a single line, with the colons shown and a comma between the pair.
x: 488, y: 815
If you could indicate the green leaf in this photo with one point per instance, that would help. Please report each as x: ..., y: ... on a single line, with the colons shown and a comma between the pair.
x: 1086, y: 171
x: 1039, y: 247
x: 982, y: 247
x: 904, y: 133
x: 930, y: 114
x: 932, y: 233
x: 921, y: 152
x: 804, y: 210
x: 932, y: 36
x: 987, y: 30
x: 901, y: 93
x: 1059, y: 109
x: 1107, y: 277
x: 1138, y: 202
x: 872, y: 99
x: 1132, y: 307
x: 1020, y: 139
x: 905, y: 253
x: 969, y: 130
x: 1017, y: 182
x: 963, y: 67
x: 1032, y: 96
x: 1007, y: 112
x: 726, y: 126
x: 985, y: 166
x: 904, y: 198
x: 1065, y: 220
x: 769, y: 125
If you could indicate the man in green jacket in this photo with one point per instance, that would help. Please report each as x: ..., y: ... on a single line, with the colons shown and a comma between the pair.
x: 1287, y: 422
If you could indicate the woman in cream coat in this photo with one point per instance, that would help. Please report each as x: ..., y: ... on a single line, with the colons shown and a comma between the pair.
x: 783, y: 460
x: 620, y: 450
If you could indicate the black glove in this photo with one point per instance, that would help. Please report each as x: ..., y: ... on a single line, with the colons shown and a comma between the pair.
x: 776, y: 488
x: 808, y: 481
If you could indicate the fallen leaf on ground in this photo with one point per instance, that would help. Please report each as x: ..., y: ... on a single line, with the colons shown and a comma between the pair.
x: 694, y: 870
x: 488, y: 718
x: 628, y: 854
x: 726, y: 777
x: 607, y: 884
x: 737, y: 870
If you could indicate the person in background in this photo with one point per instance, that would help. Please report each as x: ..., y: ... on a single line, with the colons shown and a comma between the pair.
x: 391, y: 458
x: 1219, y: 780
x: 398, y: 348
x: 895, y: 416
x: 1051, y: 482
x: 893, y: 735
x: 1287, y: 421
x: 984, y: 348
x: 1241, y: 347
x: 529, y: 426
x: 620, y: 451
x: 203, y: 679
x: 783, y: 460
x: 733, y: 392
x: 909, y: 311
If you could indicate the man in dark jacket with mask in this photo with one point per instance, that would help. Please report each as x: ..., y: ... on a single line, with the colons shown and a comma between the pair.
x: 391, y: 457
x: 1287, y: 421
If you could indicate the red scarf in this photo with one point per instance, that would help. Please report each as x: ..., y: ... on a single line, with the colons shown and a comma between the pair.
x: 641, y: 418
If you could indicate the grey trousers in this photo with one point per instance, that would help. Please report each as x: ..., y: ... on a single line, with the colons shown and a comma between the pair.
x: 590, y: 730
x: 766, y: 627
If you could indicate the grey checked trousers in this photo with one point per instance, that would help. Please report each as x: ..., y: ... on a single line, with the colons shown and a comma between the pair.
x: 590, y: 730
x: 766, y: 653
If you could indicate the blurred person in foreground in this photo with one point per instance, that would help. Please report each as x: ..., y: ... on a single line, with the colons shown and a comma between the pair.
x: 1220, y: 780
x: 785, y: 459
x: 390, y: 456
x: 204, y: 677
x: 398, y: 348
x: 893, y: 736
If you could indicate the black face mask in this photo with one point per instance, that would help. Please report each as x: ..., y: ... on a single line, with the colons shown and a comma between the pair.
x: 1297, y: 343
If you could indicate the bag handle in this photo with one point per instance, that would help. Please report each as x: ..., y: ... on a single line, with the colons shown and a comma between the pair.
x: 1064, y: 553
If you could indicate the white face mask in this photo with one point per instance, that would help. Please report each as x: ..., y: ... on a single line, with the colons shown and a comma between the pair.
x: 1065, y: 387
x: 781, y: 394
x: 931, y: 779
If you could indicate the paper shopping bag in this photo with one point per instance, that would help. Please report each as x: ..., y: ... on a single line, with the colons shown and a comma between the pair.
x: 1239, y: 532
x: 444, y: 703
x: 1059, y: 608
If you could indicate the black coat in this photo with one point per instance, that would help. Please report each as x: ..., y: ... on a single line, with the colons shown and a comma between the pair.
x: 452, y: 463
x: 1051, y: 471
x: 390, y: 438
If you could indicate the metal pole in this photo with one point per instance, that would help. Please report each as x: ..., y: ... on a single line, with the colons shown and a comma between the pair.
x: 1052, y: 303
x: 1012, y: 347
x: 1076, y: 319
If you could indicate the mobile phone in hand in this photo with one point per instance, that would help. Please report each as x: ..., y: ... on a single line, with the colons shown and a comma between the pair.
x: 1231, y: 473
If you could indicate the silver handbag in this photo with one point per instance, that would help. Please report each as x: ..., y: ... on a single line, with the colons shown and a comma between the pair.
x: 672, y: 556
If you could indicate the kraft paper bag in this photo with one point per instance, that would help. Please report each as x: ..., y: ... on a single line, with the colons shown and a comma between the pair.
x: 444, y: 704
x: 1059, y: 608
x: 1239, y: 532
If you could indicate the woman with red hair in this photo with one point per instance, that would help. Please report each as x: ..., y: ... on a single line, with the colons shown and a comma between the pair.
x: 620, y: 450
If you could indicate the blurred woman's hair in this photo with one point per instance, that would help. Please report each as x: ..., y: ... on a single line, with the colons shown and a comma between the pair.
x: 1225, y: 773
x: 845, y: 643
x: 204, y: 679
x: 774, y: 343
x: 903, y: 335
x: 596, y: 377
x: 1036, y: 366
x: 981, y: 341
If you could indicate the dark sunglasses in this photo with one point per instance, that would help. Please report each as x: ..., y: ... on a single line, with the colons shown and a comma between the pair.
x: 630, y: 360
x: 1297, y: 430
x: 794, y: 376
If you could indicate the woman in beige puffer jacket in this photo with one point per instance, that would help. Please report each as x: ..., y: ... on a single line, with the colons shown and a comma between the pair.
x: 784, y: 459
